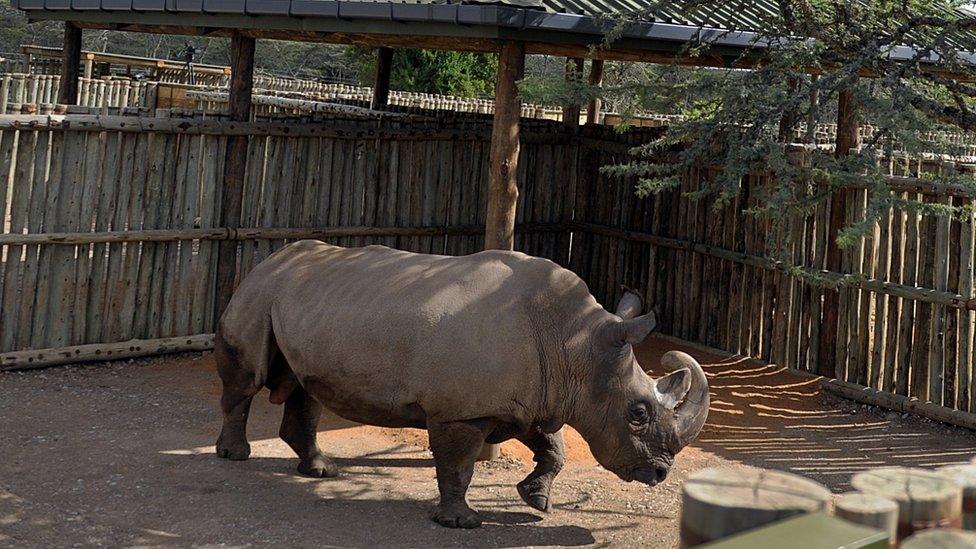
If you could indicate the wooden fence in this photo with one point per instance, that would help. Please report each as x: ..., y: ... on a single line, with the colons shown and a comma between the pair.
x: 110, y: 222
x: 110, y: 235
x: 906, y: 316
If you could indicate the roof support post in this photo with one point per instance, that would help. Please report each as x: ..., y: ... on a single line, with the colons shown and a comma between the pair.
x: 504, y: 152
x: 503, y: 164
x: 70, y: 59
x: 571, y: 111
x: 848, y: 137
x: 596, y: 79
x: 381, y: 86
x: 232, y: 189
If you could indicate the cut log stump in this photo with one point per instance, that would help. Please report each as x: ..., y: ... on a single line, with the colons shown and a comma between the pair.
x: 720, y: 502
x: 944, y: 538
x: 869, y: 510
x: 925, y: 499
x: 964, y: 476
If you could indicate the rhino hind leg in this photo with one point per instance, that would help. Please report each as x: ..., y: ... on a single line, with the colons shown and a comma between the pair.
x: 235, y: 402
x: 549, y: 455
x: 299, y: 427
x: 456, y: 446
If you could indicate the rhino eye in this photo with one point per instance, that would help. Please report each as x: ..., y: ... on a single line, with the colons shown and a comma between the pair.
x: 638, y: 414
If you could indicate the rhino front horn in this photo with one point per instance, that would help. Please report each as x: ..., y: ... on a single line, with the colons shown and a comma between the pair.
x: 692, y: 413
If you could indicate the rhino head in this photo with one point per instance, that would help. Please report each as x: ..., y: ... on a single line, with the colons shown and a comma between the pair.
x: 634, y: 424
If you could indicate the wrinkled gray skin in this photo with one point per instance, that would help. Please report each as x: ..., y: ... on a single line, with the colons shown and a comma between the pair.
x: 486, y: 347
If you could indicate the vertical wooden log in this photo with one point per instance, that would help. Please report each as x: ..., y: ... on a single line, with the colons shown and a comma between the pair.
x: 571, y: 111
x: 596, y: 79
x: 238, y: 110
x: 89, y: 64
x: 70, y: 58
x: 503, y: 157
x: 503, y: 163
x: 847, y: 138
x: 381, y: 86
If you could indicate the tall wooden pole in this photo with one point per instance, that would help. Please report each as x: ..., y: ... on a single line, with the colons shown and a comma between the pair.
x: 381, y: 86
x: 596, y: 79
x: 504, y: 152
x: 571, y: 111
x: 239, y: 110
x: 503, y: 164
x: 70, y: 61
x: 848, y: 137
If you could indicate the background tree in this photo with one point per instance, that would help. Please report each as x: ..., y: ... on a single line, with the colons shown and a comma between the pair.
x: 432, y: 71
x: 742, y: 118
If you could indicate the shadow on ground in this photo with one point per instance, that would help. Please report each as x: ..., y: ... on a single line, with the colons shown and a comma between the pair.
x: 122, y: 454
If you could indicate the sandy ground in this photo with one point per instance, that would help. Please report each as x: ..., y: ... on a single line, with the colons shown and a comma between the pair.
x: 122, y: 454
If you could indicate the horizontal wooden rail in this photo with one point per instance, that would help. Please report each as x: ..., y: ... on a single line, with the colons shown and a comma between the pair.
x: 256, y: 233
x: 41, y: 358
x: 928, y: 187
x: 899, y: 403
x: 302, y: 105
x: 914, y: 293
x: 193, y: 126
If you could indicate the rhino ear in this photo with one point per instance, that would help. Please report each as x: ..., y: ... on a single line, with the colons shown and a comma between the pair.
x: 630, y: 304
x: 632, y: 331
x: 673, y: 387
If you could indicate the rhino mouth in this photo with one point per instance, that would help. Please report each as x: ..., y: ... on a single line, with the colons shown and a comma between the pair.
x: 649, y: 475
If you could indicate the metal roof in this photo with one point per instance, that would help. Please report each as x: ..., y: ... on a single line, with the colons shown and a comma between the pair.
x: 541, y: 21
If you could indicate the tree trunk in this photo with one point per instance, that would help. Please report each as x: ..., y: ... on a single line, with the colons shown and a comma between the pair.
x: 571, y: 111
x: 596, y: 79
x: 847, y: 139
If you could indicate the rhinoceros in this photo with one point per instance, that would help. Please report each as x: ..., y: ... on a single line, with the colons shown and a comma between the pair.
x: 480, y: 348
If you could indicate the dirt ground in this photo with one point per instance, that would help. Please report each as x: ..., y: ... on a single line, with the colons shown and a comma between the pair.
x: 122, y: 454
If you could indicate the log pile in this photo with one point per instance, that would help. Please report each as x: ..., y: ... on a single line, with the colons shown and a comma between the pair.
x: 910, y: 507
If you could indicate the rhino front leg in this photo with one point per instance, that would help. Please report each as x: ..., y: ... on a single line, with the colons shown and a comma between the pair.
x: 456, y: 446
x: 549, y: 456
x: 299, y: 427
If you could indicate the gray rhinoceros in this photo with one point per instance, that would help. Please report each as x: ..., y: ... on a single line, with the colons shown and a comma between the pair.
x: 485, y: 347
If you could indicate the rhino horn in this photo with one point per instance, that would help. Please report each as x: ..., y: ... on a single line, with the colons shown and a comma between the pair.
x: 692, y: 413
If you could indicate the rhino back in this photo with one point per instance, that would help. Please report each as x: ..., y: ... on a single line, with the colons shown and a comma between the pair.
x: 386, y: 330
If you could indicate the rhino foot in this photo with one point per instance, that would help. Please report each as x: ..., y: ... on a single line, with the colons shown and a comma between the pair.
x: 456, y: 516
x: 234, y: 451
x: 319, y: 467
x: 535, y: 494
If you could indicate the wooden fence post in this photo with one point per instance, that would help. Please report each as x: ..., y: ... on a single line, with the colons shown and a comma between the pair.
x: 90, y: 64
x: 848, y: 137
x: 70, y: 59
x: 239, y: 110
x: 504, y: 152
x: 571, y: 112
x: 381, y: 86
x: 596, y: 79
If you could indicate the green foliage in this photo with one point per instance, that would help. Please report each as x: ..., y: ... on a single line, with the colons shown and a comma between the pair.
x: 432, y: 71
x: 742, y: 119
